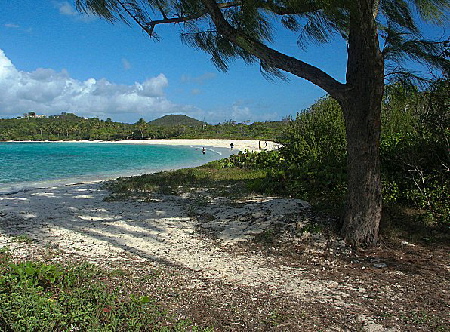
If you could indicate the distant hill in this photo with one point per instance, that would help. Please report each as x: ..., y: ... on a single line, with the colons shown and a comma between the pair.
x: 177, y: 120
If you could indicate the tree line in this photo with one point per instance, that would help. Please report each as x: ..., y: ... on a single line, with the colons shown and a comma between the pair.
x: 69, y: 126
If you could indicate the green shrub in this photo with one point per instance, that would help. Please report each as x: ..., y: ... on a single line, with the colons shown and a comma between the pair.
x: 415, y: 149
x: 39, y: 297
x: 314, y: 155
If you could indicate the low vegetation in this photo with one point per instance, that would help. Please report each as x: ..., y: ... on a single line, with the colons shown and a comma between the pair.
x: 212, y: 177
x: 38, y: 296
x: 312, y: 166
x: 312, y: 163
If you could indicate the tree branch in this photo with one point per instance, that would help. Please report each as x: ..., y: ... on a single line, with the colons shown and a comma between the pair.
x: 134, y: 17
x: 270, y: 6
x: 269, y: 56
x: 150, y: 26
x: 272, y: 57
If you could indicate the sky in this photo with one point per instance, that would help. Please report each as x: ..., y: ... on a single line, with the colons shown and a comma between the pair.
x: 54, y: 59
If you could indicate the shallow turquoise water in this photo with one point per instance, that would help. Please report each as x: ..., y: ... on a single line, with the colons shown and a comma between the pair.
x: 37, y: 164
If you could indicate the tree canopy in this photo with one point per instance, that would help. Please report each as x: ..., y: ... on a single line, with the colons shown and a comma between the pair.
x: 72, y: 127
x: 242, y: 29
x: 380, y: 35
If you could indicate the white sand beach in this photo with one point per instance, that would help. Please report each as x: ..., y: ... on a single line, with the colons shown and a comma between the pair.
x: 239, y: 145
x: 75, y: 221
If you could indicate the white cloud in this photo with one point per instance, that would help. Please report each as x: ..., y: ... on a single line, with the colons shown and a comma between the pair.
x: 240, y: 112
x: 47, y: 91
x: 152, y: 87
x: 126, y: 64
x: 12, y: 26
x: 65, y: 8
x: 198, y: 79
x: 17, y: 27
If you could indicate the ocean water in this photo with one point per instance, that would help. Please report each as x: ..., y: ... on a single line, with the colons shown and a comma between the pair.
x: 44, y: 164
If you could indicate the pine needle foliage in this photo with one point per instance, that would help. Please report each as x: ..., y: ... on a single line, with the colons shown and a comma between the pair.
x: 313, y: 21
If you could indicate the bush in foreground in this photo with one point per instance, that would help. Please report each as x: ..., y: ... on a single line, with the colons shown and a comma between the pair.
x: 35, y: 296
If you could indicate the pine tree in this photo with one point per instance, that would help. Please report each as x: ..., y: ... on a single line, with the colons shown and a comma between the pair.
x: 380, y: 35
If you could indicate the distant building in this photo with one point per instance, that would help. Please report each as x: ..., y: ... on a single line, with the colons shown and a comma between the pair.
x: 33, y: 115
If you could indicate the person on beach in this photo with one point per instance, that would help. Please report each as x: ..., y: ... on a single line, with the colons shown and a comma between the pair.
x: 231, y: 145
x: 204, y: 150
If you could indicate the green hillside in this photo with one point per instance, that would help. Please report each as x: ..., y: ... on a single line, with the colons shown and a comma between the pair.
x: 68, y: 126
x: 176, y: 120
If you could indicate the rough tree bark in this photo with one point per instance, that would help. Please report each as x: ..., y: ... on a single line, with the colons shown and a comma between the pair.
x: 360, y: 99
x: 362, y: 113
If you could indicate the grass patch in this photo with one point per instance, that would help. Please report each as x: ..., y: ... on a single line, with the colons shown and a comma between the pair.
x: 230, y: 182
x: 23, y: 239
x: 35, y: 296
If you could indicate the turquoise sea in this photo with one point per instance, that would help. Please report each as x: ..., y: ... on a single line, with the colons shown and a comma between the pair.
x: 42, y: 164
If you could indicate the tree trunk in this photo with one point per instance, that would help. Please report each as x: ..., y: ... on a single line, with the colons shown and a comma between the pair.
x: 362, y: 113
x: 360, y: 99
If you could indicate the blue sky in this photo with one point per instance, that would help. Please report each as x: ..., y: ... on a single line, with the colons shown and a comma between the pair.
x: 53, y: 59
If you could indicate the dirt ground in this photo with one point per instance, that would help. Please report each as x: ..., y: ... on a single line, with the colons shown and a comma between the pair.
x: 262, y: 264
x: 395, y: 287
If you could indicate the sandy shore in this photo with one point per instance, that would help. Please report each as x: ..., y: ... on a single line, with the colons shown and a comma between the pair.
x: 240, y: 145
x: 204, y: 243
x: 76, y: 222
